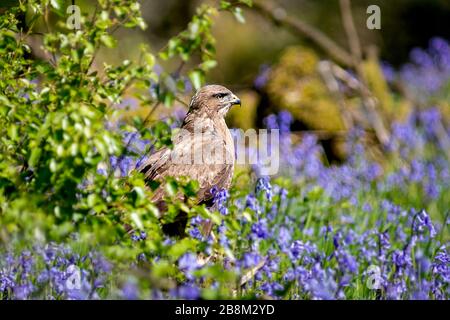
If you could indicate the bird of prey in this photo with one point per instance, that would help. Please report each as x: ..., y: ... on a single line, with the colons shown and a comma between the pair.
x: 203, y: 150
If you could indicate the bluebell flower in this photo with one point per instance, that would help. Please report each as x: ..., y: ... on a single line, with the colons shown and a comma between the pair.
x: 195, y: 227
x: 76, y: 294
x: 388, y: 71
x: 135, y: 236
x: 284, y: 237
x: 142, y: 257
x: 401, y: 260
x: 188, y: 262
x: 441, y: 265
x: 271, y: 122
x: 429, y: 70
x: 189, y: 292
x: 262, y: 77
x: 422, y: 222
x: 285, y: 120
x: 322, y: 287
x: 263, y: 185
x: 250, y: 259
x: 303, y: 250
x: 130, y: 291
x: 23, y: 291
x: 260, y: 229
x: 138, y: 236
x: 346, y: 261
x: 384, y: 241
x: 396, y: 289
x: 6, y: 281
x: 220, y: 198
x: 252, y: 203
x: 367, y: 207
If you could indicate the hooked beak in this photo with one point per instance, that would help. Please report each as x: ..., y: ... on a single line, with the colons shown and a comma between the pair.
x: 235, y: 101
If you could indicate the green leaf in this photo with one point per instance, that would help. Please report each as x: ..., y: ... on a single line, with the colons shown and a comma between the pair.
x: 171, y: 187
x: 225, y: 5
x: 197, y: 78
x: 181, y: 247
x: 56, y: 4
x: 208, y: 65
x: 237, y: 12
x: 34, y: 157
x: 108, y: 40
x: 247, y: 2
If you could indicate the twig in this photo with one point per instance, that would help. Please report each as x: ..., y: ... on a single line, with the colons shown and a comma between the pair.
x: 252, y: 272
x: 53, y: 55
x: 181, y: 101
x: 303, y: 28
x: 352, y: 35
x: 326, y: 72
x: 369, y: 102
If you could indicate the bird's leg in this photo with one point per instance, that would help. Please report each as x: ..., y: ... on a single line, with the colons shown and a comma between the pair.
x: 206, y: 227
x: 208, y: 224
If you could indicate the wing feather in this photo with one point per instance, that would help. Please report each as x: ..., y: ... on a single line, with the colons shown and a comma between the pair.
x: 206, y: 158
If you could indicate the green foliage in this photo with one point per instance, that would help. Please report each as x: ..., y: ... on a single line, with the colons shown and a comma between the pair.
x: 55, y: 119
x: 58, y: 140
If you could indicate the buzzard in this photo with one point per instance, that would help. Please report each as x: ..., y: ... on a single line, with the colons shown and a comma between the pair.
x: 203, y: 150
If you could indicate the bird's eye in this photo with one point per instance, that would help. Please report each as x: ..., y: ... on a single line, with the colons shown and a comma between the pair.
x: 220, y: 95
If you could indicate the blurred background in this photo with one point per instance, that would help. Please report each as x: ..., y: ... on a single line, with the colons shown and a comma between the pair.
x: 243, y: 48
x: 364, y: 120
x: 273, y: 66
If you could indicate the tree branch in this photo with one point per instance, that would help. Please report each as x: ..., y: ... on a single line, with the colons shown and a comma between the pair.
x: 350, y: 30
x: 369, y: 103
x: 300, y: 27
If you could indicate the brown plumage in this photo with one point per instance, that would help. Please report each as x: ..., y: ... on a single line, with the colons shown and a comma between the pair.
x: 203, y: 150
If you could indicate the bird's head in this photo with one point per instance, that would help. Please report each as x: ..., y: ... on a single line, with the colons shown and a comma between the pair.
x: 213, y: 99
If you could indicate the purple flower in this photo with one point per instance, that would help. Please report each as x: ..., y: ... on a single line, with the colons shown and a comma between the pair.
x: 429, y: 70
x: 422, y: 222
x: 346, y: 261
x: 24, y: 291
x: 262, y: 78
x: 322, y: 286
x: 100, y: 264
x: 284, y: 237
x: 303, y: 250
x: 388, y: 71
x: 385, y: 244
x: 130, y: 291
x: 250, y: 259
x: 6, y: 281
x: 396, y: 289
x: 188, y: 262
x: 441, y: 265
x: 263, y: 185
x: 401, y: 260
x: 76, y: 294
x: 282, y: 122
x: 189, y: 292
x: 138, y: 236
x: 271, y: 288
x: 252, y: 203
x: 195, y: 226
x: 260, y: 230
x: 220, y: 199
